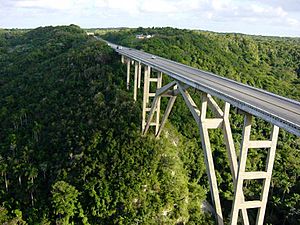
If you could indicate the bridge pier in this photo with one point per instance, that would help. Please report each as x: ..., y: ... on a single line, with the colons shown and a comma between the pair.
x: 128, y: 74
x: 156, y: 104
x: 204, y: 124
x: 146, y: 97
x: 220, y: 121
x: 147, y: 70
x: 135, y: 84
x: 238, y: 203
x: 137, y: 75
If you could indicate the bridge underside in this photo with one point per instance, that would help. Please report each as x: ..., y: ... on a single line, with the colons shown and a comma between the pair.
x: 151, y: 117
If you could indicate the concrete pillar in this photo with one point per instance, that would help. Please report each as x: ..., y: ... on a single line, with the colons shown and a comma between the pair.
x: 158, y: 94
x: 128, y: 74
x: 145, y: 96
x: 267, y: 181
x: 209, y: 161
x: 135, y: 81
x: 238, y: 202
x: 139, y: 74
x: 147, y: 82
x: 159, y: 84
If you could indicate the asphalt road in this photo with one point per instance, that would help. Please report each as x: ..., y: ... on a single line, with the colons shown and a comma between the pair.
x: 275, y: 109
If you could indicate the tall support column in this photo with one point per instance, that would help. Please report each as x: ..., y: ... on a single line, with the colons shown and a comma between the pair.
x: 232, y: 154
x: 148, y: 82
x: 128, y: 74
x: 155, y: 103
x: 204, y: 124
x: 145, y: 95
x: 217, y: 111
x: 166, y: 114
x: 267, y: 181
x: 229, y: 142
x: 139, y: 74
x: 209, y: 161
x: 159, y: 84
x: 173, y: 96
x: 135, y: 81
x: 239, y: 203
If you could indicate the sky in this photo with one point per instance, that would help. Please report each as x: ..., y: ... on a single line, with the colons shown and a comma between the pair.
x: 260, y: 17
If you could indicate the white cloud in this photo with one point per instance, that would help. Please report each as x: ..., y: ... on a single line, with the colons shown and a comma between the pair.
x: 220, y: 5
x: 287, y: 5
x: 293, y: 22
x: 256, y: 12
x: 278, y: 14
x: 268, y: 11
x: 50, y: 4
x: 130, y: 6
x: 159, y: 6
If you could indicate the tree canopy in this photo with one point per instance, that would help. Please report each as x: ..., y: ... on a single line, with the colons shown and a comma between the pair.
x: 71, y: 149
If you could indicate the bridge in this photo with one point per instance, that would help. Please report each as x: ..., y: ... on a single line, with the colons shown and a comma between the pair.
x: 280, y: 112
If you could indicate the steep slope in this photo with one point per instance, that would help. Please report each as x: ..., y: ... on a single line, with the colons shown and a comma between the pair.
x: 70, y: 143
x: 270, y: 63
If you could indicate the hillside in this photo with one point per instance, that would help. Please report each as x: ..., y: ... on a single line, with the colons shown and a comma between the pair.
x: 70, y: 143
x: 71, y: 150
x: 271, y: 63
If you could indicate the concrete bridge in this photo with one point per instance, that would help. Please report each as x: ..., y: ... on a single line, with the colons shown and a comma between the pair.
x: 280, y: 112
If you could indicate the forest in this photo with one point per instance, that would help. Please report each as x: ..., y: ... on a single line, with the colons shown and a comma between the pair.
x: 71, y: 149
x: 270, y: 63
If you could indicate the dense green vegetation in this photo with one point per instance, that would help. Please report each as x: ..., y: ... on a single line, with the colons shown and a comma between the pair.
x: 270, y: 63
x: 71, y: 151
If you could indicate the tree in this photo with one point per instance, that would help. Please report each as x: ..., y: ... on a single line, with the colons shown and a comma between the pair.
x: 64, y: 201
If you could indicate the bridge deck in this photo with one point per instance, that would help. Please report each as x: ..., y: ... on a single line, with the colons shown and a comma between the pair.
x: 275, y: 109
